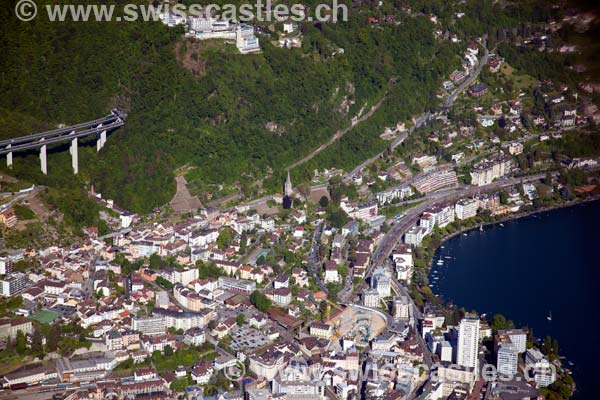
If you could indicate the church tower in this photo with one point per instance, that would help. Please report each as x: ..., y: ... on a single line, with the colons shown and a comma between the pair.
x: 287, y: 189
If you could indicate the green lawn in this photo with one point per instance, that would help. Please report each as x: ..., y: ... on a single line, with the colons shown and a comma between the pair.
x: 44, y: 316
x: 185, y: 357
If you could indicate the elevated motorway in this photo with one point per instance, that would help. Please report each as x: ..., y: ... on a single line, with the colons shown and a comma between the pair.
x: 98, y: 127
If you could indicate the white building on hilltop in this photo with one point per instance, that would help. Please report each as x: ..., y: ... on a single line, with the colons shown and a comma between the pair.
x: 246, y: 41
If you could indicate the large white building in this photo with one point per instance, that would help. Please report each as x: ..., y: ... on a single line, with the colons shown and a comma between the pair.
x: 435, y: 180
x: 400, y: 193
x: 486, y: 171
x: 13, y: 283
x: 154, y: 325
x: 517, y: 337
x: 382, y: 282
x: 507, y: 360
x: 539, y: 368
x: 466, y: 208
x: 370, y: 298
x: 415, y: 235
x: 468, y: 342
x: 440, y: 216
x: 401, y: 307
x: 403, y: 261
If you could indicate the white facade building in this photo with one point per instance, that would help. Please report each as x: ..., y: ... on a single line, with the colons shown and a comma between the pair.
x: 468, y: 342
x: 466, y: 208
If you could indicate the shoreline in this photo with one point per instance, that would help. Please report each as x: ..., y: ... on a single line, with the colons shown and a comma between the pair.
x: 508, y: 217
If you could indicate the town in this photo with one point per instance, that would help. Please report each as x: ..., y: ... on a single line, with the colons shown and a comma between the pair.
x: 318, y: 292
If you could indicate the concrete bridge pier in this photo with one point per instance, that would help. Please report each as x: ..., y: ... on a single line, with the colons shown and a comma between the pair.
x: 43, y: 160
x: 74, y: 156
x: 101, y: 139
x: 9, y: 158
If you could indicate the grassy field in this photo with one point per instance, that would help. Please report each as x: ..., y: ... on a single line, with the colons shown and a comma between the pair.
x: 44, y: 316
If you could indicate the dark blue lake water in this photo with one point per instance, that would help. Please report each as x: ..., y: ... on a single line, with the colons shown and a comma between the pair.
x: 528, y: 268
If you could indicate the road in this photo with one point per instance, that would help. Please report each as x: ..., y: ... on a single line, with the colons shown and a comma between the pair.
x: 467, y: 82
x: 339, y: 134
x: 419, y: 122
x: 313, y: 259
x: 21, y: 196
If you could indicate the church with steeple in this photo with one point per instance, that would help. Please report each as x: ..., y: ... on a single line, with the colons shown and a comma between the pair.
x: 287, y: 188
x: 287, y: 192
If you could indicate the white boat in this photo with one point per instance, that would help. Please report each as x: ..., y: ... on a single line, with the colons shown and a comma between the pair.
x: 442, y: 247
x: 464, y: 234
x: 481, y: 227
x: 448, y: 257
x: 549, y: 317
x: 501, y: 224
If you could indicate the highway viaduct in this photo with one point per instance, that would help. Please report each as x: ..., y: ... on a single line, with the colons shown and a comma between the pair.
x: 99, y: 127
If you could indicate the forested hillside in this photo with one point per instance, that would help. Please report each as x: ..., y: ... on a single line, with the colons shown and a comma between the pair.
x: 228, y: 117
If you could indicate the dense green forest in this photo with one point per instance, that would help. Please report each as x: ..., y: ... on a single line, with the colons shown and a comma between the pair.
x: 204, y: 106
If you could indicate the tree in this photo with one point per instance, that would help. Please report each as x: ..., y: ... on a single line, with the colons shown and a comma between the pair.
x: 287, y: 202
x: 260, y: 301
x: 503, y: 197
x: 36, y: 342
x: 53, y: 338
x: 21, y: 343
x: 239, y: 320
x: 500, y: 322
x: 155, y: 261
x: 323, y: 201
x: 548, y: 179
x: 224, y: 238
x: 179, y: 384
x: 243, y: 241
x: 304, y: 189
x: 168, y: 351
x: 547, y: 348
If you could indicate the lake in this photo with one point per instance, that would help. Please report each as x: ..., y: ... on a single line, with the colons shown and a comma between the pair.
x: 528, y: 268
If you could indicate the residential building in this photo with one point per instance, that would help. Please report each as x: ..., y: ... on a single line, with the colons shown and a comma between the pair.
x: 478, y: 90
x: 370, y: 298
x: 321, y: 330
x: 435, y: 180
x: 515, y: 148
x: 414, y: 236
x: 153, y: 325
x: 486, y: 171
x: 539, y: 369
x: 517, y: 337
x: 401, y: 307
x: 466, y: 208
x: 331, y: 272
x: 8, y: 218
x: 243, y: 286
x: 9, y: 327
x: 13, y: 283
x: 5, y: 265
x: 468, y: 342
x: 381, y: 281
x: 507, y: 360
